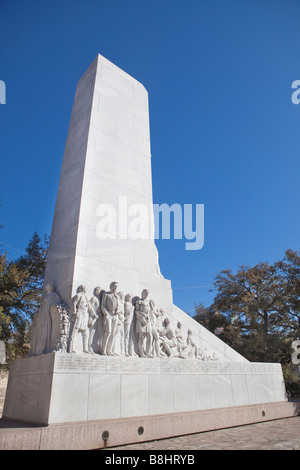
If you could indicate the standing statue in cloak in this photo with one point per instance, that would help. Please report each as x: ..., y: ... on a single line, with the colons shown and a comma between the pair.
x: 45, y: 335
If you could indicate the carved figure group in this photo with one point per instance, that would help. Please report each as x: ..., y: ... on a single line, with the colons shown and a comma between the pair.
x: 110, y: 323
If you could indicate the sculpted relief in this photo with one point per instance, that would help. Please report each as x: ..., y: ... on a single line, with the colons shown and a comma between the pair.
x: 110, y: 323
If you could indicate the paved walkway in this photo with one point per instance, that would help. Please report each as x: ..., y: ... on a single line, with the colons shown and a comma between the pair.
x: 282, y: 434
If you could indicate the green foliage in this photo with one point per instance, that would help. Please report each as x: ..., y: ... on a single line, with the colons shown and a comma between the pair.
x: 291, y: 377
x: 258, y: 310
x: 20, y: 293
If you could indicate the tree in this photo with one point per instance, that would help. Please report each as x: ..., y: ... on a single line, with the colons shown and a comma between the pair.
x: 219, y: 324
x: 288, y: 313
x: 20, y: 293
x: 258, y: 308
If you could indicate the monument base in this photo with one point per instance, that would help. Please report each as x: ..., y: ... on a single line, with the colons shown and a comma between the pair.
x: 63, y: 388
x: 117, y: 432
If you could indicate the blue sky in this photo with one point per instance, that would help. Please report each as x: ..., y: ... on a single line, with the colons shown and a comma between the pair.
x: 224, y: 131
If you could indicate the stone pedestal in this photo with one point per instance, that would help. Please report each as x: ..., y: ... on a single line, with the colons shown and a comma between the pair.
x: 60, y: 388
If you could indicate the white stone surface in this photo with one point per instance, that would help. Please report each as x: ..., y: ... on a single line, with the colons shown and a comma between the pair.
x: 104, y: 396
x: 86, y: 387
x: 108, y: 142
x: 157, y: 383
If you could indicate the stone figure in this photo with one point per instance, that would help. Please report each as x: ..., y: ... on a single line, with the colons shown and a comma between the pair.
x: 109, y: 307
x: 94, y: 317
x: 193, y: 350
x: 128, y: 326
x: 160, y: 326
x: 46, y: 323
x: 181, y: 345
x: 64, y: 329
x: 81, y: 311
x: 169, y: 341
x: 119, y: 343
x: 143, y: 325
x: 160, y: 318
x: 154, y: 314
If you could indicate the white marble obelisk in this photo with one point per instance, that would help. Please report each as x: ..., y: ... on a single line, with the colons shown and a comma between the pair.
x: 107, y: 160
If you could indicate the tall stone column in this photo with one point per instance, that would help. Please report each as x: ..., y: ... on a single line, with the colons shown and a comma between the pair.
x: 107, y: 160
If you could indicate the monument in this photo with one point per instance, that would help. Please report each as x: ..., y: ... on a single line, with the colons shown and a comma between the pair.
x: 108, y: 345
